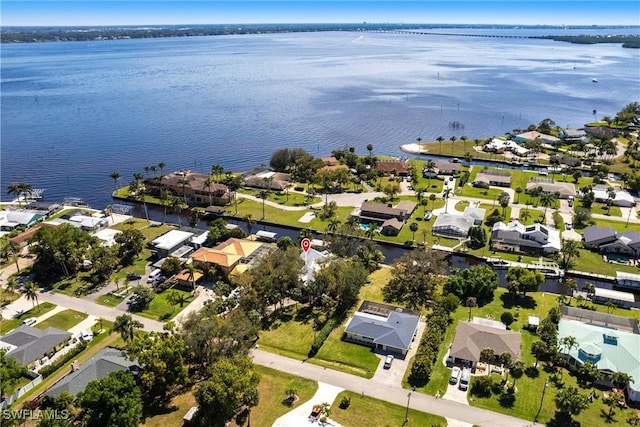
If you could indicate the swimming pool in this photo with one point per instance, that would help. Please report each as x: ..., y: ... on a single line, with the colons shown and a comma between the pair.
x: 365, y: 227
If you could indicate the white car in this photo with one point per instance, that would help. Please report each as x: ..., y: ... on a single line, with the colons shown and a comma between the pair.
x: 86, y: 336
x: 568, y: 226
x: 455, y: 374
x: 388, y: 361
x: 30, y: 321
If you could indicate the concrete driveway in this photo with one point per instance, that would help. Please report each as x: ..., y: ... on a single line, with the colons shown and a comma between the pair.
x: 299, y: 417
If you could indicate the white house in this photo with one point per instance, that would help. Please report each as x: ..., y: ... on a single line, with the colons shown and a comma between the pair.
x: 518, y: 237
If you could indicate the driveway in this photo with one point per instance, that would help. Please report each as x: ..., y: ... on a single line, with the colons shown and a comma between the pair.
x: 299, y: 417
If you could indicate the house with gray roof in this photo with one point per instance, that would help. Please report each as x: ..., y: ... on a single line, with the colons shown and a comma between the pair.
x: 456, y: 225
x: 108, y: 360
x: 494, y: 178
x: 384, y: 327
x: 611, y: 350
x: 595, y: 236
x: 563, y: 190
x: 471, y: 338
x: 27, y: 344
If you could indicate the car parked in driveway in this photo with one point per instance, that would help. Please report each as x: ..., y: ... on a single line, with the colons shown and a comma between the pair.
x: 388, y: 361
x: 133, y: 276
x: 464, y: 379
x: 455, y: 374
x: 30, y: 321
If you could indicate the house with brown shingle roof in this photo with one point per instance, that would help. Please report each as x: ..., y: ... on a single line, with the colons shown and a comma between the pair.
x: 389, y: 166
x: 227, y: 255
x: 471, y: 338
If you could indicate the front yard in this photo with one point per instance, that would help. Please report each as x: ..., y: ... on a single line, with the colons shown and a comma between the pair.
x: 64, y: 320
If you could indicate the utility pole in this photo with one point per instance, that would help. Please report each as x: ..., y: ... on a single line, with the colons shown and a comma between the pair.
x: 546, y: 384
x: 406, y: 414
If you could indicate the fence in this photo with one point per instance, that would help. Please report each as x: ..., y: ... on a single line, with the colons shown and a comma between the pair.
x: 37, y: 379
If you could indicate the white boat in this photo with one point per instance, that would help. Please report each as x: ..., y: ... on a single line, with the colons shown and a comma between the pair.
x: 594, y: 80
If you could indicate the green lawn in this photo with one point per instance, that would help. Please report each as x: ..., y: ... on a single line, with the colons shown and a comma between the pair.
x: 292, y: 199
x: 367, y: 411
x: 7, y: 325
x: 160, y: 307
x: 64, y: 320
x: 7, y: 296
x: 588, y: 259
x: 109, y: 300
x: 289, y: 337
x: 618, y: 225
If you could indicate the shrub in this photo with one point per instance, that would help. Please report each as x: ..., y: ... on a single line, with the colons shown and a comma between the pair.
x: 345, y: 402
x: 506, y: 318
x: 323, y: 334
x: 50, y: 369
x: 481, y: 386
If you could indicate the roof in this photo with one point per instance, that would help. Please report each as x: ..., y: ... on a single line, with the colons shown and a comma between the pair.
x: 564, y: 188
x: 489, y: 176
x: 240, y: 247
x: 393, y: 223
x: 533, y: 135
x: 31, y: 343
x: 407, y: 206
x: 447, y: 220
x: 171, y: 239
x: 614, y: 295
x: 391, y: 165
x: 448, y: 166
x: 476, y: 213
x: 396, y: 330
x: 21, y: 217
x: 215, y: 256
x: 617, y: 351
x: 196, y: 182
x: 470, y: 339
x: 108, y: 360
x: 595, y: 233
x: 379, y: 208
x: 313, y: 260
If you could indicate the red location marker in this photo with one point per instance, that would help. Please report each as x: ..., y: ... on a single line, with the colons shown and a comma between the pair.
x: 305, y: 244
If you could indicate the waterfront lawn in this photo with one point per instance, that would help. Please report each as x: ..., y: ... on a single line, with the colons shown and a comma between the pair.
x: 281, y: 197
x: 424, y: 227
x: 617, y: 225
x: 7, y: 325
x: 365, y: 410
x: 589, y: 259
x: 64, y: 320
x: 161, y: 308
x: 372, y: 291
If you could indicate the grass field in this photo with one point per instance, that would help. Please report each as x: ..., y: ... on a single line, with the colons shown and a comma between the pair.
x: 109, y: 300
x: 367, y: 411
x: 161, y: 307
x: 7, y: 325
x: 64, y: 320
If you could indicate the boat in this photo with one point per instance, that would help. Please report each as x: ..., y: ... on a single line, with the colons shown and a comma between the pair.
x: 498, y: 264
x: 594, y: 80
x: 551, y: 273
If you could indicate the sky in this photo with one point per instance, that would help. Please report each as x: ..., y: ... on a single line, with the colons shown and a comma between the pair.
x: 154, y: 12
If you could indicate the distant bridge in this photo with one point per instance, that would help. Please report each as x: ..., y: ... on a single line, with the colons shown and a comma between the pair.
x: 430, y: 33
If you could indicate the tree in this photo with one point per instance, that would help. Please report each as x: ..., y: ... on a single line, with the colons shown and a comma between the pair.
x: 263, y: 194
x: 581, y: 217
x: 488, y: 356
x: 104, y: 260
x: 31, y: 293
x: 590, y: 289
x: 416, y: 275
x: 341, y: 280
x: 479, y: 281
x: 452, y: 139
x: 413, y: 227
x: 507, y: 318
x: 370, y: 149
x: 391, y: 189
x: 572, y: 285
x: 126, y: 326
x: 207, y: 184
x: 10, y: 372
x: 184, y: 183
x: 525, y: 280
x: 144, y: 296
x: 115, y: 176
x: 232, y: 387
x: 177, y: 206
x: 477, y: 237
x: 446, y: 194
x: 11, y: 250
x: 162, y: 356
x: 165, y: 198
x: 621, y: 379
x: 516, y: 370
x: 131, y: 242
x: 370, y: 255
x: 570, y: 251
x: 539, y: 349
x: 250, y: 221
x: 569, y: 401
x: 440, y: 139
x: 518, y: 192
x: 568, y: 343
x: 59, y: 250
x: 546, y: 200
x: 113, y: 401
x: 503, y: 200
x: 171, y: 266
x: 430, y: 168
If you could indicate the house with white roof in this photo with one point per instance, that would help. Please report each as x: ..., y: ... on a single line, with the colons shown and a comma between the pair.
x: 620, y: 198
x: 610, y: 350
x: 313, y: 261
x: 11, y: 220
x: 499, y: 146
x: 458, y: 225
x: 517, y: 237
x: 164, y: 245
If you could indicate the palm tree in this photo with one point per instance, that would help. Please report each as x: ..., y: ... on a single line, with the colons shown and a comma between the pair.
x: 217, y: 170
x: 547, y: 200
x: 115, y: 176
x: 487, y: 356
x: 161, y: 165
x: 263, y: 194
x: 370, y: 232
x: 192, y: 275
x: 126, y: 326
x: 413, y: 227
x: 248, y: 219
x: 31, y: 293
x: 570, y: 250
x: 19, y: 189
x: 332, y: 227
x: 572, y: 285
x: 165, y: 197
x: 432, y: 197
x: 620, y: 379
x: 516, y: 370
x: 568, y: 343
x: 445, y: 194
x: 452, y: 139
x: 590, y: 288
x: 207, y: 184
x: 184, y: 182
x: 440, y: 139
x: 518, y: 191
x: 424, y: 203
x: 177, y: 206
x: 142, y: 195
x: 370, y: 149
x: 429, y: 167
x: 13, y: 250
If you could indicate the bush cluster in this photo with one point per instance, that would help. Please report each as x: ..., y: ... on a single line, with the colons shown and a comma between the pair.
x: 427, y: 352
x: 323, y: 334
x: 50, y: 369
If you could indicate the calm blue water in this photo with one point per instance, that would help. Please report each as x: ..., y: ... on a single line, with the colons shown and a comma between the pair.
x: 71, y: 113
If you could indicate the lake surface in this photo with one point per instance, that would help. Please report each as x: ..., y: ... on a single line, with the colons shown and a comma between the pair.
x: 73, y: 112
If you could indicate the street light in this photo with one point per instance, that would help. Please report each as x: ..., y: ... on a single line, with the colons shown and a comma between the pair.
x: 406, y: 414
x: 546, y: 384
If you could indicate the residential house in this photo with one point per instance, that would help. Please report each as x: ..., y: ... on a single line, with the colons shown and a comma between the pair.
x: 165, y: 245
x: 516, y: 237
x: 267, y: 179
x: 563, y: 190
x: 595, y: 236
x: 535, y: 135
x: 391, y: 227
x: 231, y: 256
x: 28, y: 345
x: 106, y: 361
x: 331, y: 164
x: 610, y: 349
x: 393, y: 167
x: 473, y: 337
x: 384, y: 327
x: 12, y: 220
x: 448, y: 168
x: 627, y: 280
x: 564, y: 159
x: 620, y: 197
x: 494, y: 178
x: 458, y: 225
x: 570, y: 135
x: 192, y: 187
x: 499, y: 146
x: 313, y: 261
x: 378, y: 213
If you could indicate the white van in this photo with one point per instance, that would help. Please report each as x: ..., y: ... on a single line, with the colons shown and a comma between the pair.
x: 464, y: 379
x: 154, y: 275
x: 30, y: 321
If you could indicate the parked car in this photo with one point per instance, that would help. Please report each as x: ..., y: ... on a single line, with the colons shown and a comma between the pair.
x: 428, y: 216
x: 86, y: 336
x: 455, y: 374
x: 464, y: 379
x: 132, y: 299
x: 568, y: 226
x: 388, y: 361
x: 133, y: 276
x: 30, y: 321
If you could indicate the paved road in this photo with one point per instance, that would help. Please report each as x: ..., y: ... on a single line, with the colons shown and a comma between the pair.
x: 390, y: 393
